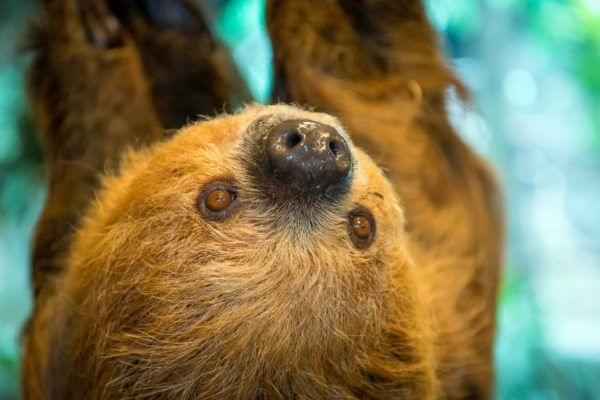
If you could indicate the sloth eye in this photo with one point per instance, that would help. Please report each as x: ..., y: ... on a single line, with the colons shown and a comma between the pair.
x: 218, y: 200
x: 361, y: 228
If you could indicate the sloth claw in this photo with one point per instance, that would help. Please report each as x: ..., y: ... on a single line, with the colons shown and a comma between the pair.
x: 103, y: 29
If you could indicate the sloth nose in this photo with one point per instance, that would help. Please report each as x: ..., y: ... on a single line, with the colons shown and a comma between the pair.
x: 308, y: 156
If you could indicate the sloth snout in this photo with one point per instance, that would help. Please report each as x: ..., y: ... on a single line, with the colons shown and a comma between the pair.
x: 308, y: 156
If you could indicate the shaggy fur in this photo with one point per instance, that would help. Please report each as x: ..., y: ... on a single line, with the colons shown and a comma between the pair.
x: 375, y: 64
x: 143, y: 298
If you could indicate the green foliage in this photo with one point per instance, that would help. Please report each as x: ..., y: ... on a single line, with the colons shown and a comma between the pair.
x: 569, y: 31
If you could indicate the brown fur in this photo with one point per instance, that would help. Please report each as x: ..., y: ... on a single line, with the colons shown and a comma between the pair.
x: 189, y: 71
x: 238, y: 309
x: 375, y: 64
x: 152, y: 301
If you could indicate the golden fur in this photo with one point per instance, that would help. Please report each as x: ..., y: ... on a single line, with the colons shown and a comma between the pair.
x: 171, y: 304
x: 138, y: 296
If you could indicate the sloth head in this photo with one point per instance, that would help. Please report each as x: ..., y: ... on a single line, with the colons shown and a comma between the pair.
x: 252, y: 255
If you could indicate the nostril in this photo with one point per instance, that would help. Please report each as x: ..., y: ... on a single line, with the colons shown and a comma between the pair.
x: 292, y: 139
x: 335, y: 147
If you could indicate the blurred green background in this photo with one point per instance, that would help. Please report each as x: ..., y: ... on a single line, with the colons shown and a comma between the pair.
x: 534, y: 69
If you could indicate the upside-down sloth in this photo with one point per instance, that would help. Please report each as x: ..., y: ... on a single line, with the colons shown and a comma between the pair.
x: 347, y: 246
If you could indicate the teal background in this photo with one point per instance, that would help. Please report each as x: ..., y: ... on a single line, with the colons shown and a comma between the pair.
x: 534, y: 69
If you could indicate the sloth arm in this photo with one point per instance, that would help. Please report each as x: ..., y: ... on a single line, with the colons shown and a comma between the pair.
x: 91, y: 101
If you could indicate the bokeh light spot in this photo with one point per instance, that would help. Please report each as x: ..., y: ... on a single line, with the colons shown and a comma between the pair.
x: 520, y: 88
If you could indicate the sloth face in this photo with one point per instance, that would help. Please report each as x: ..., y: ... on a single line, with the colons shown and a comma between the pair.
x: 260, y: 249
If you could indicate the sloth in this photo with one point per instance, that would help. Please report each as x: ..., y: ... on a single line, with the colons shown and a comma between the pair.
x: 253, y: 255
x: 348, y: 247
